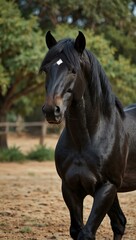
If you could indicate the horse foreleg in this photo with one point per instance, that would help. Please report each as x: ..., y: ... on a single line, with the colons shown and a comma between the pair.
x: 118, y: 220
x: 103, y: 199
x: 74, y: 203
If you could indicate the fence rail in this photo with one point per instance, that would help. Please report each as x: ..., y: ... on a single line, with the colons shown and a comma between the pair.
x: 5, y: 128
x: 25, y: 124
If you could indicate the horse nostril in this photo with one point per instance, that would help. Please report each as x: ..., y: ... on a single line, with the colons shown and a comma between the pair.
x: 57, y: 110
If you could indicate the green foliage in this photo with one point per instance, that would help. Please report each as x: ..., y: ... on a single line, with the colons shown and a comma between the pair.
x: 24, y: 106
x: 41, y: 153
x: 12, y: 154
x: 20, y: 41
x: 4, y: 80
x: 26, y: 229
x: 115, y: 19
x: 21, y: 50
x: 124, y: 80
x: 125, y: 43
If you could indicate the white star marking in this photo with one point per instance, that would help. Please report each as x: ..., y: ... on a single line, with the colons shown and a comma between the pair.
x: 59, y: 61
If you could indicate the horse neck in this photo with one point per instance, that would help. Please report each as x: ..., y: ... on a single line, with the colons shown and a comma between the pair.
x: 81, y: 122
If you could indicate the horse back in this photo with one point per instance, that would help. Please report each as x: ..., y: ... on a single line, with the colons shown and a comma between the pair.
x: 129, y: 181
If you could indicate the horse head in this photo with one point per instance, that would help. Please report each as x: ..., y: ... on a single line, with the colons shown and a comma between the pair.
x: 62, y: 66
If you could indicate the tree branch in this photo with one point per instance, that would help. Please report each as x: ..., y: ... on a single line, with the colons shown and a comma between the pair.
x: 23, y: 92
x: 13, y: 86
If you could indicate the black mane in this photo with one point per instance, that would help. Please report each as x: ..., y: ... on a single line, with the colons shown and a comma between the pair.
x: 104, y: 94
x: 96, y: 77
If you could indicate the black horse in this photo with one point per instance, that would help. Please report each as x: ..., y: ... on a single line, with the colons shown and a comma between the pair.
x: 94, y: 155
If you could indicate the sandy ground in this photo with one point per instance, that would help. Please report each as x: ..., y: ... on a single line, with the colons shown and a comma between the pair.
x: 26, y: 142
x: 32, y: 207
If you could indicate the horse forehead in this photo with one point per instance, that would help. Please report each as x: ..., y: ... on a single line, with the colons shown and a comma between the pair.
x: 57, y: 76
x: 59, y: 67
x: 59, y: 62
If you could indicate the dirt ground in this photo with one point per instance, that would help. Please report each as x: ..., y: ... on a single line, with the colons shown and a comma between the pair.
x: 32, y: 207
x: 26, y: 142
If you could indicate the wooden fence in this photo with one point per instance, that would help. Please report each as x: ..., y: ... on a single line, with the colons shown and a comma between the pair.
x: 5, y: 128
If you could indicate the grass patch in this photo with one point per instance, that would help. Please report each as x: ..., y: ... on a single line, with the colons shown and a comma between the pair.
x: 41, y: 153
x: 3, y: 224
x: 39, y: 225
x: 12, y: 154
x: 26, y: 229
x: 32, y: 174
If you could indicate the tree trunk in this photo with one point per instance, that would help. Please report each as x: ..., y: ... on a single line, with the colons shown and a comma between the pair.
x: 3, y: 133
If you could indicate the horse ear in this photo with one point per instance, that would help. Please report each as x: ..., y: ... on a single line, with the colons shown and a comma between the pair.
x: 50, y: 40
x: 80, y: 42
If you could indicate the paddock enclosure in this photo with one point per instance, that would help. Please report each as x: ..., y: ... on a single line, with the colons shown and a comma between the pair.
x: 32, y: 208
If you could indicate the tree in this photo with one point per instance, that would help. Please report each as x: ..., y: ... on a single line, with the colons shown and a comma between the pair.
x: 21, y: 51
x: 115, y: 19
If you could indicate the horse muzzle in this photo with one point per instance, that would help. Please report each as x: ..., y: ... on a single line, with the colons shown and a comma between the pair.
x: 53, y: 114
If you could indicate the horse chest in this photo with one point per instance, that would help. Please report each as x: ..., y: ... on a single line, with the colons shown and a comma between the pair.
x: 79, y: 174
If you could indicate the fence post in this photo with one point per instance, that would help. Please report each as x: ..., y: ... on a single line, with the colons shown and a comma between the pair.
x: 19, y: 125
x: 7, y: 128
x: 43, y: 132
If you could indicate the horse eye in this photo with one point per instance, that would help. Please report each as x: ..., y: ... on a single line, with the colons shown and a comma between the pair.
x: 69, y: 90
x: 73, y: 71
